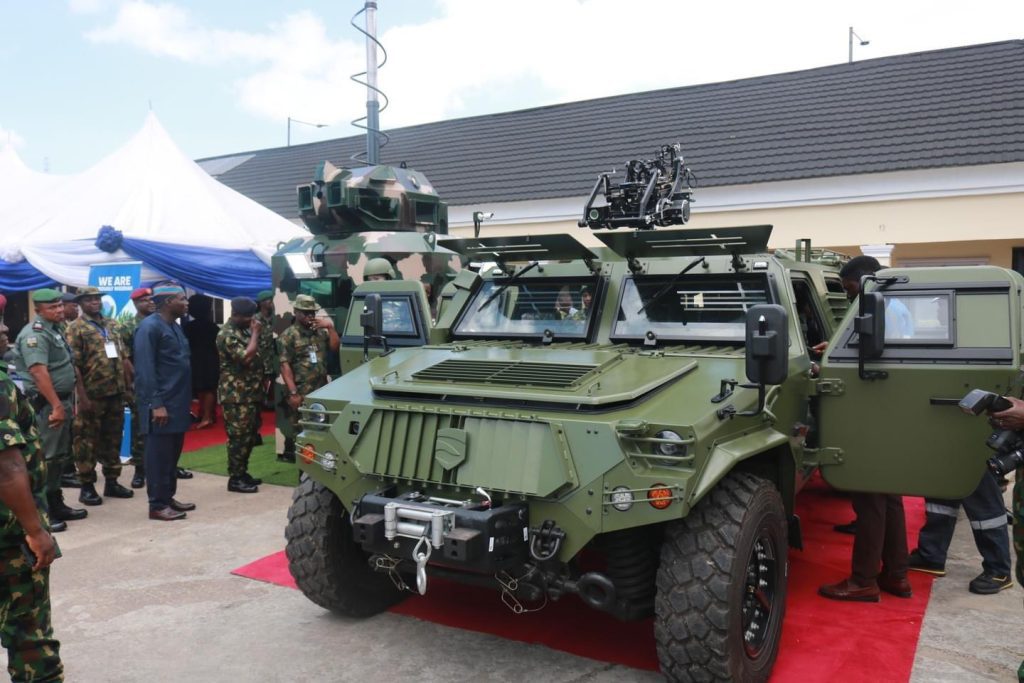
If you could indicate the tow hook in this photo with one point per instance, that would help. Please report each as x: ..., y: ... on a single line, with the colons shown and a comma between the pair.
x: 545, y: 541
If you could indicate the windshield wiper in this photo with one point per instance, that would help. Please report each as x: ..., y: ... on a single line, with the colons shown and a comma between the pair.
x: 502, y: 288
x: 672, y: 283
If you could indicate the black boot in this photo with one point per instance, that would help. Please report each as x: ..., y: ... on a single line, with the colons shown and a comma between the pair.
x: 70, y: 481
x: 240, y: 485
x: 115, y: 490
x: 182, y: 473
x: 57, y: 527
x: 139, y: 480
x: 60, y: 511
x: 249, y: 479
x: 88, y: 496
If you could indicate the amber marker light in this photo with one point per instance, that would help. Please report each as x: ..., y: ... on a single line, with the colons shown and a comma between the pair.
x: 307, y: 453
x: 660, y: 497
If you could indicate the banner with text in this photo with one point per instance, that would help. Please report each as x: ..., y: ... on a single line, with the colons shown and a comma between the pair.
x: 116, y: 281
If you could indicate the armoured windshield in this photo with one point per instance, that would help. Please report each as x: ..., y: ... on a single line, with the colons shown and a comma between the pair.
x: 696, y: 308
x: 531, y: 307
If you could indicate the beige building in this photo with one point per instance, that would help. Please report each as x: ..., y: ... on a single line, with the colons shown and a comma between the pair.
x: 916, y: 159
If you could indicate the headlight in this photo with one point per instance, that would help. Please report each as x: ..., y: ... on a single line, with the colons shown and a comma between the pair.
x: 621, y: 498
x: 320, y: 413
x: 670, y: 448
x: 329, y: 461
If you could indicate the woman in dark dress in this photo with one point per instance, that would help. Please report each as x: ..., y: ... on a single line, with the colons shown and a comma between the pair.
x: 201, y: 332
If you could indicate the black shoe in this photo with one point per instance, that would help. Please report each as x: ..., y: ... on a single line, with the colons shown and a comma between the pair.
x: 59, y: 510
x: 114, y: 490
x: 178, y: 506
x: 70, y: 481
x: 182, y: 473
x: 850, y: 528
x: 918, y: 564
x: 249, y: 479
x: 88, y: 496
x: 139, y: 480
x: 240, y: 485
x: 56, y: 526
x: 166, y: 515
x: 989, y: 584
x: 286, y: 457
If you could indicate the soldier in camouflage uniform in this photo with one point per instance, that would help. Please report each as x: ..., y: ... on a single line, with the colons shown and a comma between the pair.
x: 304, y: 347
x: 100, y: 363
x: 143, y: 300
x: 25, y: 629
x: 44, y: 362
x: 267, y: 349
x: 240, y: 390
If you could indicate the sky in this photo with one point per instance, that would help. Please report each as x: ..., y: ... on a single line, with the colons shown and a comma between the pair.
x: 77, y: 77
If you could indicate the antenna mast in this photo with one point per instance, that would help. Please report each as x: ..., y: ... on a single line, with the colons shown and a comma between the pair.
x: 372, y: 103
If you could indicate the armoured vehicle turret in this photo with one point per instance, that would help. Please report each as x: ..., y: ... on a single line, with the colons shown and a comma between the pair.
x: 653, y: 403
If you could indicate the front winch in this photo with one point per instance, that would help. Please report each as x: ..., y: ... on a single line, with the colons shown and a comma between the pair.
x: 413, y: 529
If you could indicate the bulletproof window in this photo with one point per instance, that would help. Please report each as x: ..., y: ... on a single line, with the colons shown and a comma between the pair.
x: 561, y: 308
x: 812, y: 324
x: 698, y: 308
x: 918, y: 318
x: 399, y: 317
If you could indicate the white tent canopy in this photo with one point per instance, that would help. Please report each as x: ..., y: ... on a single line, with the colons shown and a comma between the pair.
x: 148, y: 189
x: 17, y: 182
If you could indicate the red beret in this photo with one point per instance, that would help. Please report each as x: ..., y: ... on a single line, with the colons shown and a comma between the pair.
x: 140, y: 292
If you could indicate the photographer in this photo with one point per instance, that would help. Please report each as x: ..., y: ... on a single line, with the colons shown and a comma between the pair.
x: 1013, y: 418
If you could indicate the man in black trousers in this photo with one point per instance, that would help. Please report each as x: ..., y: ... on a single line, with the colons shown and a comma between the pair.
x: 163, y: 394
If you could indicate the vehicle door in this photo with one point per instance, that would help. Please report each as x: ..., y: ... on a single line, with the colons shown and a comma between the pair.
x: 406, y: 320
x: 948, y: 330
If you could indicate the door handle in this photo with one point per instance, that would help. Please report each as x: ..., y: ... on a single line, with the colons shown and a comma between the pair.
x: 944, y: 401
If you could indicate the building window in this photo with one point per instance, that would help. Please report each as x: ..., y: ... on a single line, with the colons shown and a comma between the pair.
x: 1018, y: 259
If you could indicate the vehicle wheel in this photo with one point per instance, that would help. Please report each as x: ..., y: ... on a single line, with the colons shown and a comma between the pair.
x: 330, y: 568
x: 722, y: 585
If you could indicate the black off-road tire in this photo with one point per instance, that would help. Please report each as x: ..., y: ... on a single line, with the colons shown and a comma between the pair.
x: 709, y: 585
x: 330, y: 568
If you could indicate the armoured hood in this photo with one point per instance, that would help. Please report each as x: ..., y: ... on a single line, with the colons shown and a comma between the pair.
x: 584, y: 376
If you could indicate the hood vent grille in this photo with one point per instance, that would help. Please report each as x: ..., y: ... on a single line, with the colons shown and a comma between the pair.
x: 513, y: 373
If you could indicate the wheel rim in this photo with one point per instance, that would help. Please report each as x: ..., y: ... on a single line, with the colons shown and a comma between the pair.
x: 759, y: 595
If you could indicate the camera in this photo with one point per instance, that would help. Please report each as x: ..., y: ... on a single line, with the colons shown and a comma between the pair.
x: 1007, y: 444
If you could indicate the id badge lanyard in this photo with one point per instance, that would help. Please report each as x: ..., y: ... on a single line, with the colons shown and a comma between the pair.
x: 108, y: 345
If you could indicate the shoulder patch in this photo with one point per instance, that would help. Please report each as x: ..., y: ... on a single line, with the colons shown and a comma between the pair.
x: 37, y: 326
x: 31, y: 342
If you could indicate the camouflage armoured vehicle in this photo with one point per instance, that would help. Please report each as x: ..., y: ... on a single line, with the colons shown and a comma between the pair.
x: 631, y: 423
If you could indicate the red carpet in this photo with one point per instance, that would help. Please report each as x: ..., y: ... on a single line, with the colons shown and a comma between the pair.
x: 821, y: 639
x: 214, y: 435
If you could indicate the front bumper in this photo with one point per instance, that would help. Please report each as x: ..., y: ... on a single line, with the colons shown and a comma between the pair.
x: 469, y: 538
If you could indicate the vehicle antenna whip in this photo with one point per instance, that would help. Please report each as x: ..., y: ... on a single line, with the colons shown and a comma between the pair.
x: 373, y: 108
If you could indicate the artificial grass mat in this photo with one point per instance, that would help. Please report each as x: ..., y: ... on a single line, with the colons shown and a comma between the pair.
x: 263, y: 463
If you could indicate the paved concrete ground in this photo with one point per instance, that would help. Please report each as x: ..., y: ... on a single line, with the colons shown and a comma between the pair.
x: 136, y: 600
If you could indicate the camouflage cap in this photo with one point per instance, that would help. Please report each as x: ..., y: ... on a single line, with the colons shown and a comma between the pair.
x: 87, y: 291
x: 46, y: 296
x: 265, y: 295
x: 304, y: 302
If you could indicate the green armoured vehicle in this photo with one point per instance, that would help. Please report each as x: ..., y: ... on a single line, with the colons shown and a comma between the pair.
x: 653, y: 402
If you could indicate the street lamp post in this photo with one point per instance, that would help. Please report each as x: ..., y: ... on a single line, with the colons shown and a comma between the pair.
x: 853, y: 34
x: 305, y: 123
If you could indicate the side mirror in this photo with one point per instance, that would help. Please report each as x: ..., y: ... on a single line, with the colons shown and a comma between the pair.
x: 767, y: 344
x: 373, y: 313
x: 870, y: 326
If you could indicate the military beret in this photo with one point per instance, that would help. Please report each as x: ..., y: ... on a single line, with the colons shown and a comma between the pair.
x: 87, y: 291
x: 140, y: 292
x: 242, y: 305
x: 265, y: 295
x: 68, y: 298
x: 46, y: 296
x: 304, y: 302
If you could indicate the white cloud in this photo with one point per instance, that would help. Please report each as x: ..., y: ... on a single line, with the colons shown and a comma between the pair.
x: 8, y: 136
x: 536, y: 52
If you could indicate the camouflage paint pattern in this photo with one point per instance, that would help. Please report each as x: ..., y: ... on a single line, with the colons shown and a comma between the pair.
x: 241, y: 421
x: 102, y: 376
x: 98, y: 438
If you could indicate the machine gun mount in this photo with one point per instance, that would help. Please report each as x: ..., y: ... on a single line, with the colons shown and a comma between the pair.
x: 654, y: 193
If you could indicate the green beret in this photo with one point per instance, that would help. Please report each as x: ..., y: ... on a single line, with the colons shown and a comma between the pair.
x: 304, y: 302
x: 87, y: 291
x: 46, y: 296
x: 264, y: 295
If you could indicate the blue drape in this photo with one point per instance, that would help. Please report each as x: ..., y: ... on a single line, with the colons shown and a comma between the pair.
x: 226, y: 273
x: 22, y: 276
